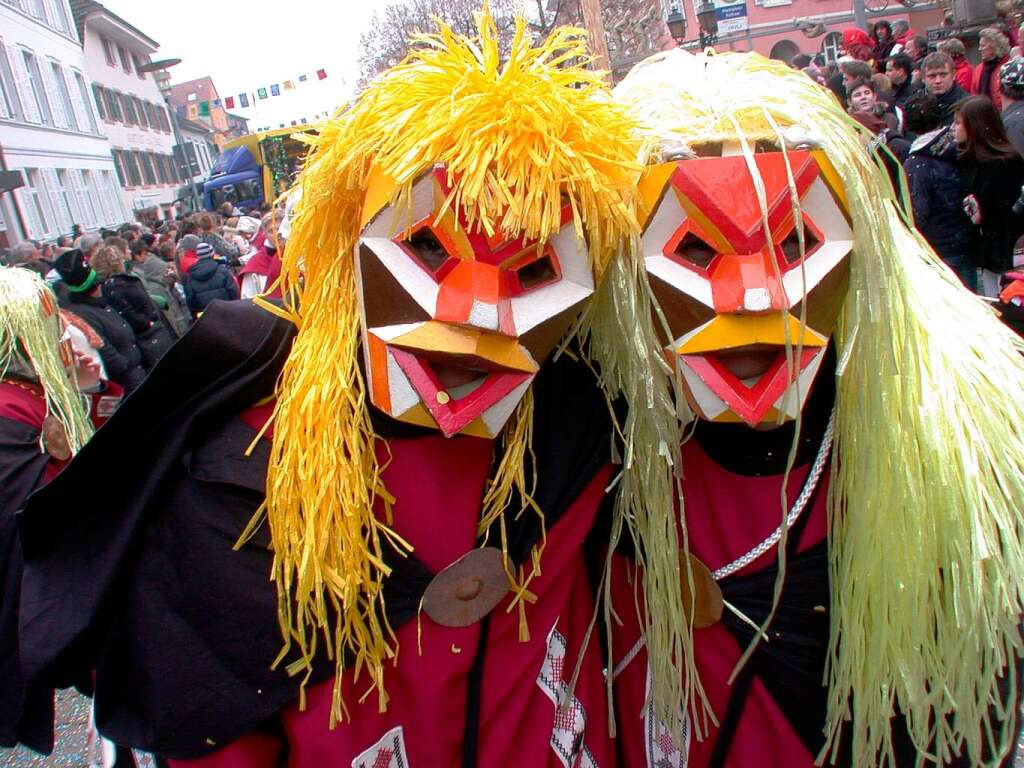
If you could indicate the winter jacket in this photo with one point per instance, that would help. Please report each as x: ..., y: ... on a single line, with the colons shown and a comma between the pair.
x: 949, y: 100
x: 121, y: 355
x: 153, y: 272
x: 993, y: 82
x: 997, y: 186
x: 902, y: 92
x: 127, y: 294
x: 1013, y: 119
x: 208, y: 280
x: 964, y: 73
x: 937, y: 192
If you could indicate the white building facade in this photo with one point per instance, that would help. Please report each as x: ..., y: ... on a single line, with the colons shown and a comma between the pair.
x: 132, y: 110
x: 49, y: 130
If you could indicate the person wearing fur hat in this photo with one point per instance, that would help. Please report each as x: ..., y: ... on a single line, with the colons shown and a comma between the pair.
x: 365, y: 506
x: 121, y: 355
x: 1011, y: 88
x: 825, y: 463
x: 42, y: 424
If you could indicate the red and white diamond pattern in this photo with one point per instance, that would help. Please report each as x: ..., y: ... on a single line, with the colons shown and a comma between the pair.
x: 663, y: 751
x: 571, y: 720
x: 388, y: 752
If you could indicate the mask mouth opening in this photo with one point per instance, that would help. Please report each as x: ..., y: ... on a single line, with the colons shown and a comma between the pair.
x: 750, y: 362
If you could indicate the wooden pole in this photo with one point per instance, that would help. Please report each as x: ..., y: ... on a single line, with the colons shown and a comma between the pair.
x: 594, y: 23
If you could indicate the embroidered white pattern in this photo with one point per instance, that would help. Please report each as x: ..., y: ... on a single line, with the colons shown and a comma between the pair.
x: 662, y: 749
x: 570, y: 721
x: 389, y: 752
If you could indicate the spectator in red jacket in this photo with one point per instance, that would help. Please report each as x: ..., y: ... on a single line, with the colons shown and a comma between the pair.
x: 995, y: 51
x: 963, y: 72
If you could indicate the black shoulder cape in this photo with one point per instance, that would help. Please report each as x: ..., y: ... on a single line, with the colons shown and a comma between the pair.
x: 134, y: 575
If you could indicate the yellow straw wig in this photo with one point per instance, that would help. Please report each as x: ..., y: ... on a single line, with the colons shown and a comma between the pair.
x: 30, y: 332
x: 926, y: 560
x: 518, y: 134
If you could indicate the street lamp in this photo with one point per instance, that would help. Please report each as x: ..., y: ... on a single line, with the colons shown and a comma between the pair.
x: 676, y: 23
x: 163, y: 82
x: 708, y: 22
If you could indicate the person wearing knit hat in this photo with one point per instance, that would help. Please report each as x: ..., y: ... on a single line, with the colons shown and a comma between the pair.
x: 1011, y: 88
x: 42, y: 424
x: 208, y: 280
x: 359, y: 540
x: 121, y: 355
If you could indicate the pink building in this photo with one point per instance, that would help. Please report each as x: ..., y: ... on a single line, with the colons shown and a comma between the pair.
x: 772, y: 26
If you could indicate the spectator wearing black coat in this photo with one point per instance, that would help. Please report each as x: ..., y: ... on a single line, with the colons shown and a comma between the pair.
x: 939, y: 75
x: 1011, y: 88
x: 121, y: 356
x: 994, y: 172
x: 900, y: 69
x: 127, y: 294
x: 938, y: 188
x: 208, y: 280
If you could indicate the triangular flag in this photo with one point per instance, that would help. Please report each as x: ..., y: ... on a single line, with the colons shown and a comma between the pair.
x: 275, y: 90
x: 302, y: 78
x: 243, y: 100
x: 289, y: 85
x: 321, y: 74
x: 229, y: 102
x: 261, y: 92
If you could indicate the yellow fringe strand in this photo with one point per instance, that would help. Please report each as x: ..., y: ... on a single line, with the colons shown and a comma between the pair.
x: 30, y: 330
x: 518, y: 136
x: 925, y: 539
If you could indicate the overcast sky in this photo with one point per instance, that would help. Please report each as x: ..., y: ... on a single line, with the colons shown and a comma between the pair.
x: 256, y: 43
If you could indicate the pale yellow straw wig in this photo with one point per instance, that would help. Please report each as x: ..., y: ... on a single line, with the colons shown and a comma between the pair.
x: 927, y: 565
x: 30, y: 333
x: 518, y: 133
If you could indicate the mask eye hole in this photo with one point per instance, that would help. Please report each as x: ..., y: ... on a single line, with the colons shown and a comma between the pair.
x: 695, y: 251
x: 790, y: 247
x: 427, y: 249
x: 536, y: 273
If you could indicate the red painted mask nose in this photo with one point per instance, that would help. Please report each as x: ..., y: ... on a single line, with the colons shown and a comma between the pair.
x: 474, y: 294
x: 747, y: 283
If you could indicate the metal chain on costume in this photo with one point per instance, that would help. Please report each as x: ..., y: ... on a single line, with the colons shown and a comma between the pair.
x: 813, y: 477
x: 798, y: 507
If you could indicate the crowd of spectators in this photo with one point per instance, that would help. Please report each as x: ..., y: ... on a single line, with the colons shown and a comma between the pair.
x: 956, y: 131
x: 133, y: 291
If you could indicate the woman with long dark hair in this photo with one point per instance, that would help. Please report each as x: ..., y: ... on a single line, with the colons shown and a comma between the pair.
x: 881, y: 34
x: 994, y: 172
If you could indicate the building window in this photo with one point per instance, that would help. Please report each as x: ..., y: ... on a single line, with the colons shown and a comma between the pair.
x: 36, y: 87
x: 37, y: 204
x: 138, y: 64
x: 110, y: 193
x: 113, y: 105
x: 132, y: 168
x: 61, y: 19
x: 8, y: 89
x: 147, y: 167
x: 161, y: 116
x: 140, y: 110
x: 161, y: 169
x: 85, y: 199
x: 129, y: 110
x: 36, y: 8
x: 83, y: 94
x: 126, y: 63
x: 830, y: 46
x: 101, y: 107
x: 108, y: 52
x: 119, y: 168
x: 63, y: 98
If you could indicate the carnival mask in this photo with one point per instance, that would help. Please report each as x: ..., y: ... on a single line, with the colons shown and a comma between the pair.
x: 733, y: 294
x: 456, y: 323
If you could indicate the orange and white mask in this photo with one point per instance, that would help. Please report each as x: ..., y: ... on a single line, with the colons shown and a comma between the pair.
x: 733, y: 291
x: 456, y: 323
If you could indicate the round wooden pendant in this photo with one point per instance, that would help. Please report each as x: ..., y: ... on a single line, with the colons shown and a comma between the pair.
x: 55, y: 440
x: 707, y: 595
x: 468, y: 589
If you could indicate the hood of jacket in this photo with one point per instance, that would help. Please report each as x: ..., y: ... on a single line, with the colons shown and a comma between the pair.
x: 203, y: 269
x: 939, y: 144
